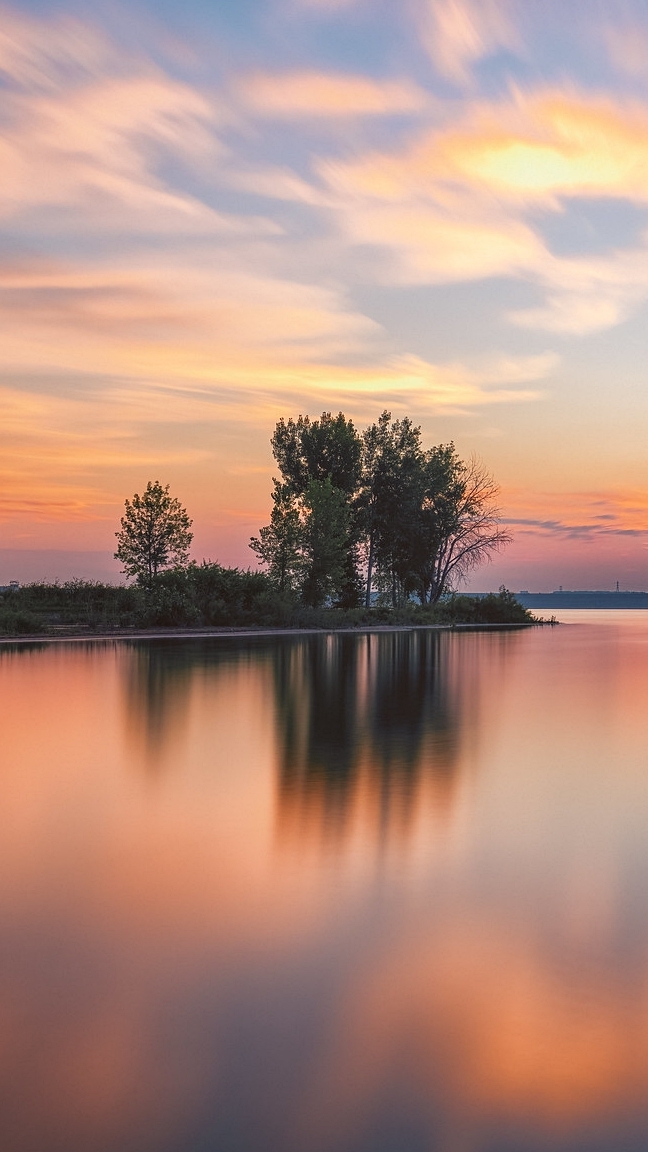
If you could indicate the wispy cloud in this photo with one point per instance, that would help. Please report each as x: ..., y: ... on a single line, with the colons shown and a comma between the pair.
x: 292, y: 95
x: 41, y: 53
x: 627, y: 44
x: 191, y: 247
x: 579, y: 515
x: 461, y: 202
x: 91, y: 148
x: 459, y: 33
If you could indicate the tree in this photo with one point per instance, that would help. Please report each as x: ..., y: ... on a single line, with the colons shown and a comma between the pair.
x: 155, y: 533
x: 421, y: 519
x: 429, y: 517
x: 326, y: 541
x: 279, y: 544
x: 320, y: 462
x: 325, y: 449
x: 390, y: 499
x: 328, y: 448
x: 460, y: 522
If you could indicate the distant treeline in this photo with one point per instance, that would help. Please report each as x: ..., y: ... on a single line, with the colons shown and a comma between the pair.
x: 211, y: 596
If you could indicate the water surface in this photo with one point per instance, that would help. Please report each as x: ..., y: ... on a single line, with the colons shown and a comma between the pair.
x: 379, y: 893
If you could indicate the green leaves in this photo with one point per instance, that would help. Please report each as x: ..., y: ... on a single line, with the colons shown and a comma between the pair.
x: 420, y: 518
x: 310, y: 545
x: 280, y: 544
x: 155, y: 533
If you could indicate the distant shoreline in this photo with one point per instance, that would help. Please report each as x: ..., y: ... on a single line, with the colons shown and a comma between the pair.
x: 87, y: 637
x: 590, y: 601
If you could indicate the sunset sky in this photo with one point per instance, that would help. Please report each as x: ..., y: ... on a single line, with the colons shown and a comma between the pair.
x: 217, y: 212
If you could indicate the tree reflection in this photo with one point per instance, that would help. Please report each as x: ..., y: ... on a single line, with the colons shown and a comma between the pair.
x: 158, y: 680
x: 369, y: 721
x: 369, y: 727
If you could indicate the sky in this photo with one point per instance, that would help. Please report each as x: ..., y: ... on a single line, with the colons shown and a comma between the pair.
x: 218, y: 212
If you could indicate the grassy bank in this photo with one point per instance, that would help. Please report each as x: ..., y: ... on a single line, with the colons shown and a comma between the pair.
x: 208, y: 595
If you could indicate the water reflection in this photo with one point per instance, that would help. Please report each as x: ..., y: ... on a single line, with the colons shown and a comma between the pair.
x: 464, y: 968
x: 157, y: 682
x: 375, y: 720
x: 362, y: 720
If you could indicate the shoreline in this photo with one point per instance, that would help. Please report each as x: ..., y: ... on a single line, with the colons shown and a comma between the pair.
x: 74, y: 636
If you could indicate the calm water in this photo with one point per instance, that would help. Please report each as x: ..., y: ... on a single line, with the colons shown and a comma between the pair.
x: 383, y: 893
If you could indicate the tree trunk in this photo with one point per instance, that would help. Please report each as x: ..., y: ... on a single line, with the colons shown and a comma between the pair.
x: 369, y: 573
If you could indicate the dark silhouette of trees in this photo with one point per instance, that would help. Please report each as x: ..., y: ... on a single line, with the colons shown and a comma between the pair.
x: 324, y: 449
x: 279, y: 545
x: 417, y: 520
x: 311, y: 542
x: 326, y: 542
x: 155, y: 534
x: 392, y: 473
x: 459, y: 523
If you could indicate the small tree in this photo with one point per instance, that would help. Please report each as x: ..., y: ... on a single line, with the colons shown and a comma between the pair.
x: 155, y: 533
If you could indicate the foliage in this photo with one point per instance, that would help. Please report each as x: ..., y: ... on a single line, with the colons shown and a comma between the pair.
x: 311, y: 543
x: 324, y: 449
x: 495, y: 608
x: 327, y: 519
x: 418, y: 520
x: 390, y: 498
x: 458, y: 522
x: 209, y: 595
x: 279, y: 545
x: 200, y: 595
x: 43, y: 607
x: 155, y: 533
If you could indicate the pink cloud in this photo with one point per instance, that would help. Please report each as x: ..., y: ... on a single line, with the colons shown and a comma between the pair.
x: 292, y: 95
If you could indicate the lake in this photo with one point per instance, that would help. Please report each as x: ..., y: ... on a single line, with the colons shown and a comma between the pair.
x: 353, y: 893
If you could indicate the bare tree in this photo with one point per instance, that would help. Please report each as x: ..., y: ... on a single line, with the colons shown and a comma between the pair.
x: 466, y: 528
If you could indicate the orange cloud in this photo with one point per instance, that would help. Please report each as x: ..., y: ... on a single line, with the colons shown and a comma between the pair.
x: 454, y: 204
x: 555, y: 144
x: 143, y: 366
x: 531, y: 147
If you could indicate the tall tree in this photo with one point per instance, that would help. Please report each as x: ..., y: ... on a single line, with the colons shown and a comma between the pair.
x: 389, y: 499
x: 460, y: 523
x: 155, y: 533
x: 420, y: 518
x: 328, y: 448
x: 375, y: 441
x: 279, y: 545
x: 429, y: 516
x: 326, y: 541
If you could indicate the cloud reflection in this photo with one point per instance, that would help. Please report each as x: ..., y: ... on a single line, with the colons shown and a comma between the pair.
x: 183, y: 967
